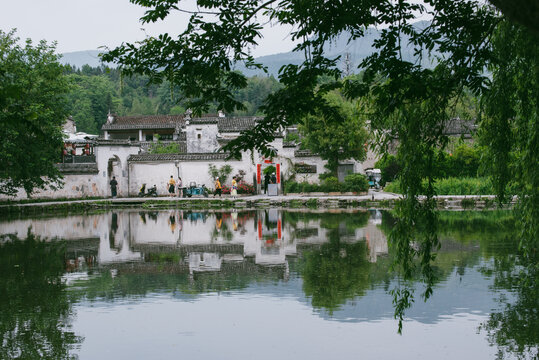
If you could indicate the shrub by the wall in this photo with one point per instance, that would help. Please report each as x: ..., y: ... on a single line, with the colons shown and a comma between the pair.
x: 353, y: 182
x: 330, y: 184
x: 356, y: 183
x: 454, y: 186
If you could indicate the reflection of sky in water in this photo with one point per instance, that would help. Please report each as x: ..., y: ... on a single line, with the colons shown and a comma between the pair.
x: 250, y: 325
x: 233, y: 286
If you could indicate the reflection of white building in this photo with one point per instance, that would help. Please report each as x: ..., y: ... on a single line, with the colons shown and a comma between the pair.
x: 205, y: 240
x: 376, y: 240
x: 108, y: 255
x: 152, y: 227
x: 267, y: 247
x: 203, y: 262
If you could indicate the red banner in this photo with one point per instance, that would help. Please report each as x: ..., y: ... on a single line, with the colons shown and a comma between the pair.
x: 278, y: 166
x: 279, y: 229
x: 259, y: 229
x: 258, y: 173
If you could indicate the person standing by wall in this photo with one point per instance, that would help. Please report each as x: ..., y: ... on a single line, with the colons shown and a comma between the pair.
x: 113, y: 186
x: 171, y: 185
x: 217, y: 185
x: 234, y: 190
x: 266, y: 182
x: 179, y: 185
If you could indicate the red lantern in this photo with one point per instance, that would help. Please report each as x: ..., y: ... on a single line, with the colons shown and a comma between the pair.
x: 64, y: 152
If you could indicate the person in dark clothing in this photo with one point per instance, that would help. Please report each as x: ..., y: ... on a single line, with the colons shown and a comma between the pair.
x: 266, y: 182
x: 113, y: 185
x: 273, y: 178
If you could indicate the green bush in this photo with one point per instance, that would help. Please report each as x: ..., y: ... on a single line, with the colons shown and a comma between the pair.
x: 393, y: 187
x: 356, y: 183
x: 291, y: 187
x: 353, y: 182
x: 454, y: 186
x: 330, y: 184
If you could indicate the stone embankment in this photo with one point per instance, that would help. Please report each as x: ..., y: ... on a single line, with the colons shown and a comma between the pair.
x: 372, y: 200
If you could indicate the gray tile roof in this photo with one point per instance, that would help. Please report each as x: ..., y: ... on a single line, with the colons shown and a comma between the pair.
x: 204, y: 120
x: 145, y: 122
x: 84, y: 168
x: 177, y: 157
x: 237, y: 123
x: 125, y: 142
x: 225, y: 124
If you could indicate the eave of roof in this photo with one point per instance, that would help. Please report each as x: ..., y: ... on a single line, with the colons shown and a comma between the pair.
x: 177, y: 157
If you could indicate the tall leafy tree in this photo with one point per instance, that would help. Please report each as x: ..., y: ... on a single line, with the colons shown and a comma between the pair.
x: 32, y: 112
x: 90, y: 99
x: 336, y: 140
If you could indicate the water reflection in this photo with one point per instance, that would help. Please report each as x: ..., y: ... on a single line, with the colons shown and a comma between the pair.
x: 35, y: 308
x: 337, y: 263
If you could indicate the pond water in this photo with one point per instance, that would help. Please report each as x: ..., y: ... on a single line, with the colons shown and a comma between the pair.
x: 264, y: 284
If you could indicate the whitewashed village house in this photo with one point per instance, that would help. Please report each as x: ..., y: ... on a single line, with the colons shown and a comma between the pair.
x: 89, y: 162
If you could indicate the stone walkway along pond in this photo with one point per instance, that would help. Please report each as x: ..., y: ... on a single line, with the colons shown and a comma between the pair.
x: 373, y: 199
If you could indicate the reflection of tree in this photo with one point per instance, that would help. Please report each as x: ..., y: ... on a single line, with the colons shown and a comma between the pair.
x: 515, y: 329
x: 496, y: 233
x: 335, y: 273
x: 34, y: 302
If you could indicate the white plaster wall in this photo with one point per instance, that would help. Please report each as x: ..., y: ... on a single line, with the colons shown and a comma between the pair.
x: 151, y: 174
x: 190, y: 171
x: 208, y: 138
x: 103, y: 154
x: 75, y: 186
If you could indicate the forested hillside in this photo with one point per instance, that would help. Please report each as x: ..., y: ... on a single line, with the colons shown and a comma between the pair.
x: 96, y: 90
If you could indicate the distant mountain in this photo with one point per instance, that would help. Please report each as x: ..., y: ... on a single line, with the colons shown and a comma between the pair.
x: 80, y: 58
x: 357, y: 49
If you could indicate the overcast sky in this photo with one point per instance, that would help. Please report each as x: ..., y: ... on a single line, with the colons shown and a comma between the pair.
x: 88, y: 24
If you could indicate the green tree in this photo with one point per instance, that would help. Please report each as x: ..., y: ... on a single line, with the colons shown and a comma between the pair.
x: 390, y: 168
x: 336, y: 140
x: 90, y: 99
x: 32, y: 112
